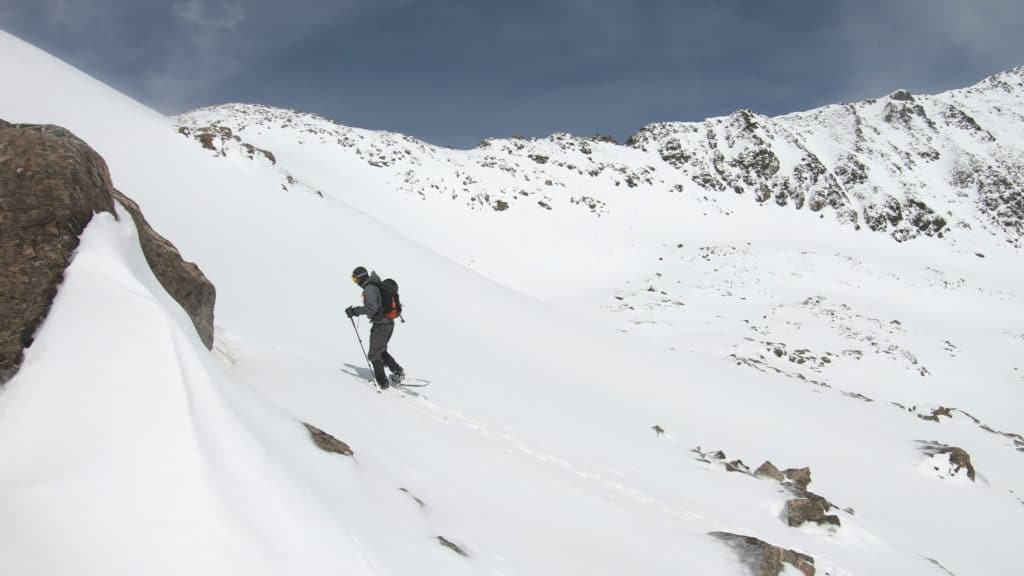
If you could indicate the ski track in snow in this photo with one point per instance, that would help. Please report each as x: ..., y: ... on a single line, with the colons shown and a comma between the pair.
x: 614, y: 487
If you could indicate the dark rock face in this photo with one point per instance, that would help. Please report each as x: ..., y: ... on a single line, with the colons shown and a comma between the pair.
x: 762, y: 558
x: 326, y: 442
x: 51, y: 184
x: 184, y: 281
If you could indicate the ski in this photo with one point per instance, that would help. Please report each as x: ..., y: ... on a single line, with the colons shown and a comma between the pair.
x: 411, y: 383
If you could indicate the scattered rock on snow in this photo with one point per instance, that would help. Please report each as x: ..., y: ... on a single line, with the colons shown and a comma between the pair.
x: 326, y: 442
x: 934, y: 416
x: 764, y: 559
x: 452, y: 546
x: 959, y: 459
x: 737, y: 466
x: 418, y: 501
x: 805, y: 507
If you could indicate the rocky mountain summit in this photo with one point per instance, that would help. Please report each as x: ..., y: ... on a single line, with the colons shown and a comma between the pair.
x: 905, y: 165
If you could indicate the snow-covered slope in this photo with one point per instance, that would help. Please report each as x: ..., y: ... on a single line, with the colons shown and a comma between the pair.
x: 587, y: 362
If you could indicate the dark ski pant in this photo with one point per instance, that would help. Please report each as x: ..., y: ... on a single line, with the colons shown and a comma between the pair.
x: 380, y: 335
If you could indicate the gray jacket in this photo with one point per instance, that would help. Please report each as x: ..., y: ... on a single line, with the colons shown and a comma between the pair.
x: 372, y: 303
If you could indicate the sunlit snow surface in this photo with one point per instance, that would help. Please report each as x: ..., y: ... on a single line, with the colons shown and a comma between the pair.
x: 555, y: 341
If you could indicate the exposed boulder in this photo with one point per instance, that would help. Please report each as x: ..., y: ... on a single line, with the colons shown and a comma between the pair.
x: 769, y: 470
x: 51, y: 184
x: 811, y: 509
x: 800, y: 477
x: 764, y: 559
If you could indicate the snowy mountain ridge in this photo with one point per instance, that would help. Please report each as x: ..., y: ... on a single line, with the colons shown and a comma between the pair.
x: 947, y: 165
x: 664, y: 383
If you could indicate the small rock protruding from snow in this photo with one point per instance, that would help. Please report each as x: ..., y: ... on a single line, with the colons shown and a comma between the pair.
x: 452, y: 546
x: 958, y: 459
x: 326, y: 442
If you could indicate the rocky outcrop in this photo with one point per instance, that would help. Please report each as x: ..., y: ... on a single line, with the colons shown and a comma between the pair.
x: 184, y: 281
x: 764, y: 559
x: 51, y: 184
x: 806, y: 506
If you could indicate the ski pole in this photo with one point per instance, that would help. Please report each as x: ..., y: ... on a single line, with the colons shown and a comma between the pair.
x: 361, y: 347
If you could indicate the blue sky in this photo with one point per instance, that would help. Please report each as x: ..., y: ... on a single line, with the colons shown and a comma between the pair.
x: 454, y: 72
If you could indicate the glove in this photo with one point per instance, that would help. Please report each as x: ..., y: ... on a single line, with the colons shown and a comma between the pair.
x: 351, y: 311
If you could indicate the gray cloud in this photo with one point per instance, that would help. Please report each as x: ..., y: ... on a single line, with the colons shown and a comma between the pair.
x: 927, y: 45
x: 207, y: 46
x: 456, y: 71
x: 168, y: 54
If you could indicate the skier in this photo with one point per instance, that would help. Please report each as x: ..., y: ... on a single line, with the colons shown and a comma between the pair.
x: 381, y: 327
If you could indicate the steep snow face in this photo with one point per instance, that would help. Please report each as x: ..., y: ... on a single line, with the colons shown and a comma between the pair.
x: 588, y: 363
x: 124, y: 451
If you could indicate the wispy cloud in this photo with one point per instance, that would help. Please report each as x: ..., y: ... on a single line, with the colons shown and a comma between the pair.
x: 207, y: 43
x: 523, y: 67
x: 168, y: 54
x: 926, y: 45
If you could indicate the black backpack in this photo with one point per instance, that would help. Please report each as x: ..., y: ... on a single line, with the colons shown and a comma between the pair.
x: 391, y: 304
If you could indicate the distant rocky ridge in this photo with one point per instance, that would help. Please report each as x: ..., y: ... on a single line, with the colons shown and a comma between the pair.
x: 904, y: 165
x: 51, y: 184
